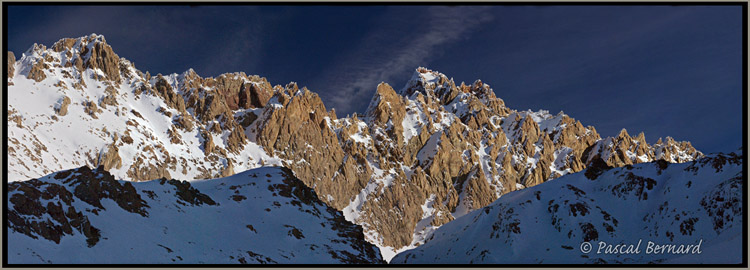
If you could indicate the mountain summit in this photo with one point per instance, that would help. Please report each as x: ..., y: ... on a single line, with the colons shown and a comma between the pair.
x: 418, y: 158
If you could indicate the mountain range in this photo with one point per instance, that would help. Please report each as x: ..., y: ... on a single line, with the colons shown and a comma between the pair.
x: 418, y: 158
x: 688, y: 213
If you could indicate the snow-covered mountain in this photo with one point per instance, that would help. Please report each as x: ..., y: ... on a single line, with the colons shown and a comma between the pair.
x: 418, y: 158
x: 434, y: 151
x: 261, y: 216
x: 78, y: 103
x: 600, y: 217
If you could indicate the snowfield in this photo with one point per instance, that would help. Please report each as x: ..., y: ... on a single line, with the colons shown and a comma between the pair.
x: 137, y: 132
x: 262, y: 216
x: 697, y: 205
x: 43, y: 141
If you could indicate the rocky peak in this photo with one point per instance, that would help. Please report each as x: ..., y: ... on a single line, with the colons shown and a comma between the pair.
x: 467, y: 102
x: 623, y: 134
x: 432, y: 86
x: 674, y: 151
x: 624, y: 149
x: 422, y: 80
x: 438, y: 139
x: 67, y: 44
x: 84, y: 74
x: 100, y: 56
x: 386, y: 106
x: 420, y: 157
x: 73, y: 56
x: 641, y: 137
x: 90, y: 52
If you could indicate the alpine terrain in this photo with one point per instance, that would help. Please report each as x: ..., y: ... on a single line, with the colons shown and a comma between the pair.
x: 419, y: 157
x: 266, y: 216
x: 680, y: 213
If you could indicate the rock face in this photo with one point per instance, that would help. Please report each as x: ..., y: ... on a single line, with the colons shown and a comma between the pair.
x: 103, y: 58
x: 294, y: 127
x: 419, y: 157
x: 62, y: 109
x: 435, y: 151
x: 11, y: 64
x: 36, y: 72
x: 703, y: 206
x: 110, y: 159
x: 168, y: 126
x: 267, y: 216
x: 61, y: 190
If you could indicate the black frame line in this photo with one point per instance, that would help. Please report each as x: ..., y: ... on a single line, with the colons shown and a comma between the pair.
x: 743, y: 4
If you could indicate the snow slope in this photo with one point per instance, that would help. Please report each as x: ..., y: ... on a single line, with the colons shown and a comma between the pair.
x: 139, y: 131
x: 139, y: 123
x: 691, y: 203
x: 263, y: 215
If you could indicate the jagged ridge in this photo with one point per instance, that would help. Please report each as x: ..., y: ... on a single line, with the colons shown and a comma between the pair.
x: 418, y: 158
x: 697, y: 203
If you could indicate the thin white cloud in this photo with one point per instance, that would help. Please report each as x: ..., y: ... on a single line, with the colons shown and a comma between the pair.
x: 241, y: 51
x: 406, y: 38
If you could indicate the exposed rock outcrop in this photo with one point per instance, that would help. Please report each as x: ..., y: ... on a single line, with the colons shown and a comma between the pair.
x: 91, y: 186
x: 25, y: 200
x: 62, y: 109
x: 677, y: 203
x: 457, y: 148
x: 102, y: 57
x: 110, y: 158
x: 141, y: 171
x: 11, y: 64
x: 91, y: 109
x: 36, y: 72
x: 92, y: 214
x: 294, y: 126
x: 418, y: 157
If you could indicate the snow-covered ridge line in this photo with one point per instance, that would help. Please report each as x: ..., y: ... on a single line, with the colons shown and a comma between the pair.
x: 523, y: 132
x: 147, y: 126
x: 457, y: 144
x: 580, y: 220
x: 89, y: 217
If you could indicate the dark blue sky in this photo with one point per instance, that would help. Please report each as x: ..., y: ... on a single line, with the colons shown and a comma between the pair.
x: 665, y: 70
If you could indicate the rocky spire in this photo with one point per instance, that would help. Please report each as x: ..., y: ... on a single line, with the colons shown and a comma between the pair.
x: 420, y: 157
